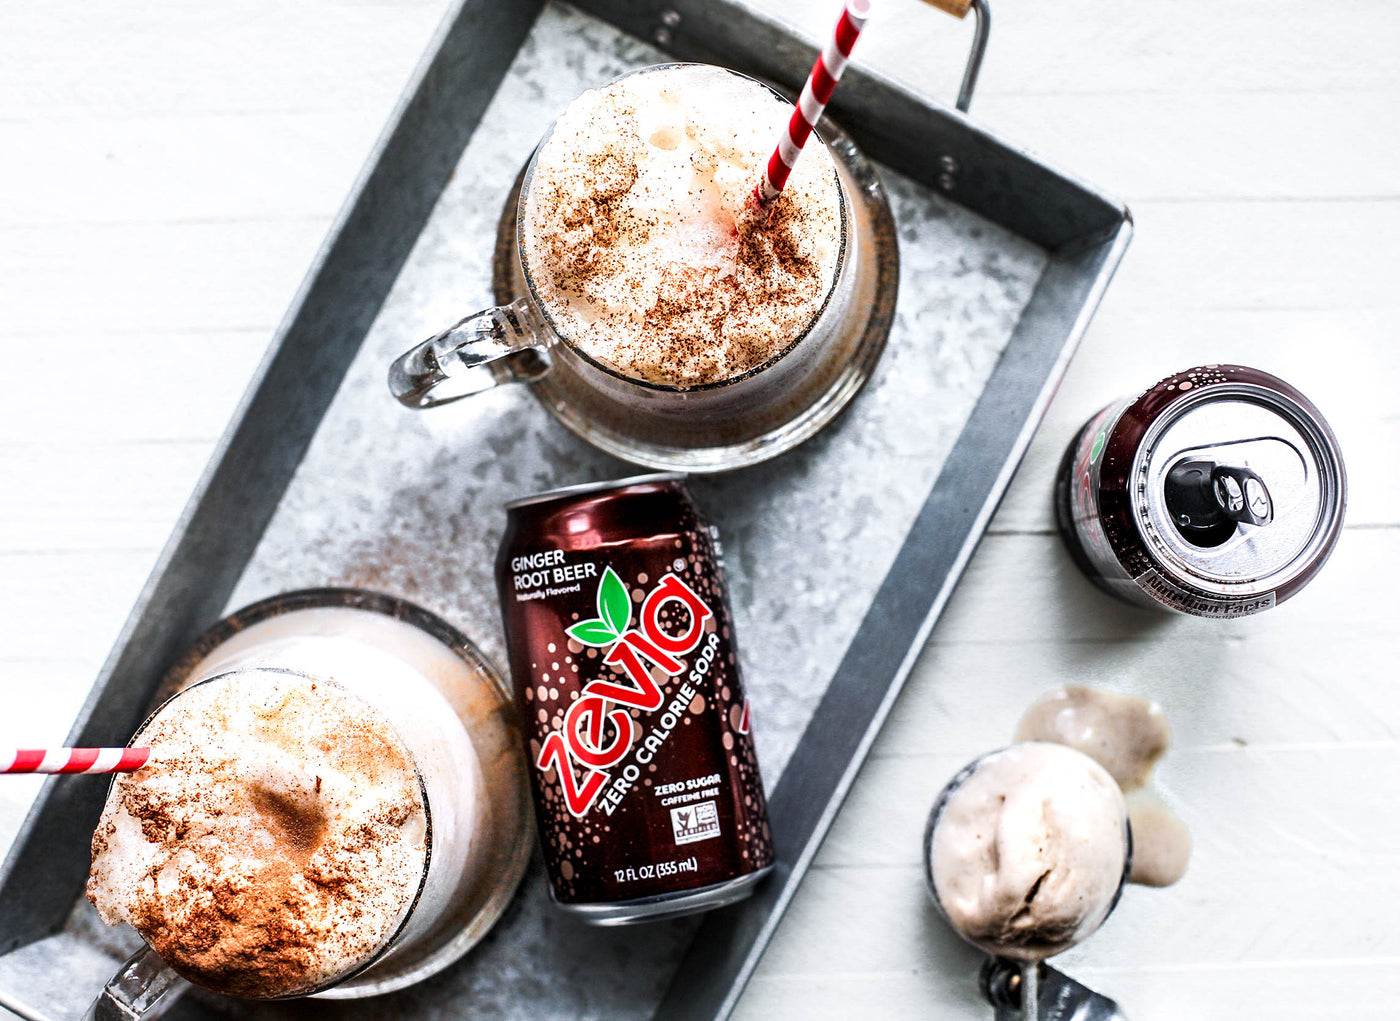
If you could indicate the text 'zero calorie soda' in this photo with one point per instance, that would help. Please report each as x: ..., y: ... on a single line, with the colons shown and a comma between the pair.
x: 647, y: 792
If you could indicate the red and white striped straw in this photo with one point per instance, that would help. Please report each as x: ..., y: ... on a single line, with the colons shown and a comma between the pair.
x: 72, y: 760
x: 821, y: 83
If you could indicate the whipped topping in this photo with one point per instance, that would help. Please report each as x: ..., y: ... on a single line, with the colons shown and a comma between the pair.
x: 274, y: 842
x: 638, y: 234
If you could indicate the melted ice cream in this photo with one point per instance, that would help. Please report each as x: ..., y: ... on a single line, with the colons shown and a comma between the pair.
x: 1127, y: 735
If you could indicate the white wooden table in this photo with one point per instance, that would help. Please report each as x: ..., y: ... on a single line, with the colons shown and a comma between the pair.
x: 167, y: 171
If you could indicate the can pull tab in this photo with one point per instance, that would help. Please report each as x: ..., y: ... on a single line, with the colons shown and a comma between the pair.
x: 1208, y: 500
x: 1242, y: 495
x: 1061, y: 997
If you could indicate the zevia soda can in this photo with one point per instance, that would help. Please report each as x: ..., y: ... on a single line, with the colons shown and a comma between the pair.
x: 647, y: 793
x: 1218, y: 492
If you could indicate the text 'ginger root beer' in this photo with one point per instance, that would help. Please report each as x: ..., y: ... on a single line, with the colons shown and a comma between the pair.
x: 648, y: 797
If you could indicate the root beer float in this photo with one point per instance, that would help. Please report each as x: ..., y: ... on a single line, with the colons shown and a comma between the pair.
x: 648, y: 798
x: 635, y: 234
x: 648, y: 304
x: 334, y: 805
x: 276, y: 841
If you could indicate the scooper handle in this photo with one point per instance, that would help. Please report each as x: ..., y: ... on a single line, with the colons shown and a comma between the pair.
x: 1060, y: 997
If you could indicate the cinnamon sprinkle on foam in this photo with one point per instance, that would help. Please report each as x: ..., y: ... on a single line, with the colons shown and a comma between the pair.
x: 640, y: 235
x: 274, y: 841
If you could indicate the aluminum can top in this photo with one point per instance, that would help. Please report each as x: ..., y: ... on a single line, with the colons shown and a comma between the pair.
x: 1253, y: 456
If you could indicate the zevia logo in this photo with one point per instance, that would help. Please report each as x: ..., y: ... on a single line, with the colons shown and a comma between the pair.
x: 583, y: 739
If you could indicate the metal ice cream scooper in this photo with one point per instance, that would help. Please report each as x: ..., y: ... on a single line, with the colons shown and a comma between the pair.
x: 1061, y: 998
x: 1008, y: 876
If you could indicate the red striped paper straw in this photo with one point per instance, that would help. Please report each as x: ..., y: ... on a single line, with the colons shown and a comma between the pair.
x: 821, y: 83
x: 72, y: 760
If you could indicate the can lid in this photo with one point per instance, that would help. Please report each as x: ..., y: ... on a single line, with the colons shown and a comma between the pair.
x: 1237, y: 489
x: 595, y: 487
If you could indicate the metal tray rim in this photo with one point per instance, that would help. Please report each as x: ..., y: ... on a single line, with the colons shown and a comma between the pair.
x: 184, y: 607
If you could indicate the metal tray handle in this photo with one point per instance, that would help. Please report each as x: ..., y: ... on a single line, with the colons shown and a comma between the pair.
x: 982, y: 14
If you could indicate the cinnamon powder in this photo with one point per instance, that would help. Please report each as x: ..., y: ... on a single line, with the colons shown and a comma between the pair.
x: 622, y: 272
x: 260, y: 884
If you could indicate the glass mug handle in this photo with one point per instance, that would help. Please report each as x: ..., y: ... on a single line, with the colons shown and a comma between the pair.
x: 144, y: 987
x: 506, y: 344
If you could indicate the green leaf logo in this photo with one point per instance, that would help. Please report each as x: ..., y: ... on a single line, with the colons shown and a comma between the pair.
x: 1098, y: 445
x: 614, y: 604
x: 592, y: 632
x: 614, y: 614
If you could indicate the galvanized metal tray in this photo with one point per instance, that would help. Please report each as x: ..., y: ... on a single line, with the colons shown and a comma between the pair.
x: 841, y: 554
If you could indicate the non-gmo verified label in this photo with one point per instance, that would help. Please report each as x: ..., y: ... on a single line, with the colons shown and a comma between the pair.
x: 695, y: 822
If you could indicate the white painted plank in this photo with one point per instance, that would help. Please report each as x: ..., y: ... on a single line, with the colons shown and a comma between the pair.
x: 1274, y: 254
x: 135, y: 388
x: 1023, y: 589
x: 255, y: 55
x: 79, y: 59
x: 97, y: 495
x: 1190, y: 145
x: 1080, y: 47
x: 1295, y: 991
x: 154, y: 278
x: 66, y: 605
x: 1256, y: 688
x: 1173, y: 927
x: 108, y: 169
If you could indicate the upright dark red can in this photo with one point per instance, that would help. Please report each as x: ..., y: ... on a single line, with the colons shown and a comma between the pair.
x: 647, y: 792
x: 1218, y: 492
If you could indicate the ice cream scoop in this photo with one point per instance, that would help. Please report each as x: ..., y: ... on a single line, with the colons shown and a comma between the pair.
x: 1027, y: 850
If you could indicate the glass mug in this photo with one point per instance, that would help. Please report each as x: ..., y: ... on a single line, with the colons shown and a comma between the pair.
x: 478, y: 837
x: 714, y: 426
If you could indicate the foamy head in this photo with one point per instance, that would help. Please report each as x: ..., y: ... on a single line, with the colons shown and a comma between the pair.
x: 274, y: 842
x: 1027, y: 855
x: 638, y: 236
